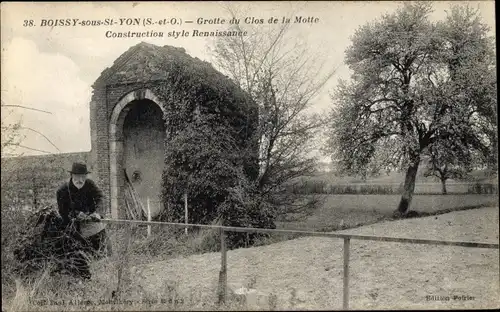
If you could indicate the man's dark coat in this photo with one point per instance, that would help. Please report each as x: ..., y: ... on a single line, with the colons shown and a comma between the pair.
x: 71, y: 200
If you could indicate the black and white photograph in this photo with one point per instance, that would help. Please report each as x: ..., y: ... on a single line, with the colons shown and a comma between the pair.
x: 234, y: 156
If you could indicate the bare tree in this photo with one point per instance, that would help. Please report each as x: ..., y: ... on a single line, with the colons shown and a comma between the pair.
x: 282, y: 76
x: 10, y: 134
x: 12, y: 138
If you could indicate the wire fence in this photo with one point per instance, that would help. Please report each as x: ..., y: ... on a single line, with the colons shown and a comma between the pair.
x: 222, y: 286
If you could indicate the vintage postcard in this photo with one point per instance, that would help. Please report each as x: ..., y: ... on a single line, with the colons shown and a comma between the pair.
x: 249, y: 155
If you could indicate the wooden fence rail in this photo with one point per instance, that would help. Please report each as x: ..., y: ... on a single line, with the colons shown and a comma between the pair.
x: 346, y: 237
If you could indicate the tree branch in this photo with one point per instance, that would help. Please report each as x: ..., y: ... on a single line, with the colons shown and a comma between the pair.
x: 25, y: 107
x: 32, y: 149
x: 33, y: 130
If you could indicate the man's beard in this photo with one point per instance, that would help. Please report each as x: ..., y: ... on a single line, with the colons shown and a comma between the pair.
x: 78, y: 185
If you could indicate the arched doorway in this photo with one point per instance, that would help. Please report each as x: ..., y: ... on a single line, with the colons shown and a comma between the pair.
x: 136, y: 146
x: 143, y: 151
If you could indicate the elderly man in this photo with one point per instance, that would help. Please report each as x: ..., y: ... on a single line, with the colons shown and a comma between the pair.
x: 79, y: 201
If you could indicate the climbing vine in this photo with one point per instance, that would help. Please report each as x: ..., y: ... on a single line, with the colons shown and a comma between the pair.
x: 210, y: 153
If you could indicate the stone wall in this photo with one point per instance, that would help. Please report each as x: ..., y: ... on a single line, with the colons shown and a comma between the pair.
x: 174, y: 81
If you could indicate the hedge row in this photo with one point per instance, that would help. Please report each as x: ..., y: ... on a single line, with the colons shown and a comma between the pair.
x: 321, y: 187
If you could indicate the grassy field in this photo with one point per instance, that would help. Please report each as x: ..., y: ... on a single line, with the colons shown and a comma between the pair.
x: 337, y: 212
x: 346, y: 211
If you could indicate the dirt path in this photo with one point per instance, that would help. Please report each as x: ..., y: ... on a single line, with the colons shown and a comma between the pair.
x: 306, y: 273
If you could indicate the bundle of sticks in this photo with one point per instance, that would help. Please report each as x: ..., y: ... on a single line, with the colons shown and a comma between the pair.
x: 135, y: 208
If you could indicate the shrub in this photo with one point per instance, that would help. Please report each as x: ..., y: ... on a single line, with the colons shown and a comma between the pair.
x: 206, y: 161
x: 321, y: 187
x: 483, y: 188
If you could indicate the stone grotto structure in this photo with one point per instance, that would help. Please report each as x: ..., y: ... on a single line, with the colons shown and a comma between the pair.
x: 129, y: 116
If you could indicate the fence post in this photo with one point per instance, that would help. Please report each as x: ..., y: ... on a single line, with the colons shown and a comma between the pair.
x: 149, y: 219
x: 223, y: 270
x: 345, y: 303
x: 123, y: 273
x: 185, y: 212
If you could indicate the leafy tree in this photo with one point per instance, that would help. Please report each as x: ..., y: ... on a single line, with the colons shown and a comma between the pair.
x: 282, y: 76
x: 444, y: 164
x: 471, y: 60
x: 415, y: 85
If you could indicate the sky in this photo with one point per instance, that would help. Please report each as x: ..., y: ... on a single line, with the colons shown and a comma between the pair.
x: 52, y: 68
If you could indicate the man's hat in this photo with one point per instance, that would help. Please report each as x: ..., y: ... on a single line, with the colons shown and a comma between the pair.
x: 79, y: 168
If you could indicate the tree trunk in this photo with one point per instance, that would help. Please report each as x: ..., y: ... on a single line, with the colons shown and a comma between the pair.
x: 409, y: 186
x: 443, y: 186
